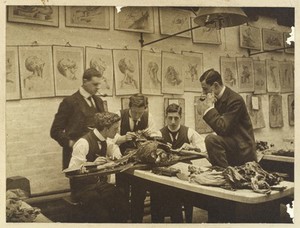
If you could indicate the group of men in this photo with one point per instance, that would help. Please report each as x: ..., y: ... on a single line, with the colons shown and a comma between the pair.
x: 88, y: 133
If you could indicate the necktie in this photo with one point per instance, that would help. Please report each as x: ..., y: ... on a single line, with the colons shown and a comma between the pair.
x: 91, y: 101
x: 135, y: 125
x: 103, y: 148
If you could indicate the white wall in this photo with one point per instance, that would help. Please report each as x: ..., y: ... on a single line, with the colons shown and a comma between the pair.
x: 30, y: 150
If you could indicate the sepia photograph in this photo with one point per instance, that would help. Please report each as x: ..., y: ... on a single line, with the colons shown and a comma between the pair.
x: 110, y: 119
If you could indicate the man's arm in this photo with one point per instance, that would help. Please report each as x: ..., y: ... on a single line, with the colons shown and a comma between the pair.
x: 60, y: 122
x: 196, y: 140
x: 113, y: 150
x: 152, y: 130
x: 80, y: 150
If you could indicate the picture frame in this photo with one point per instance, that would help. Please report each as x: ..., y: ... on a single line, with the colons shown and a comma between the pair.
x: 101, y: 60
x: 36, y: 71
x: 192, y: 69
x: 39, y: 15
x: 275, y: 111
x: 178, y: 101
x: 134, y: 19
x: 291, y: 109
x: 229, y: 72
x: 245, y: 74
x: 205, y: 35
x: 151, y: 72
x: 124, y: 103
x: 173, y: 20
x: 250, y: 37
x: 172, y: 78
x: 286, y: 76
x: 273, y: 83
x: 286, y: 35
x: 260, y: 77
x: 200, y: 106
x: 12, y: 74
x: 96, y: 17
x: 272, y: 40
x: 68, y: 62
x: 126, y: 71
x: 255, y: 113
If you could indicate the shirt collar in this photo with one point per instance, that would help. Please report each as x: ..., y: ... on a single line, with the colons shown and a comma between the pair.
x: 84, y: 93
x: 221, y: 93
x: 98, y: 134
x: 177, y: 129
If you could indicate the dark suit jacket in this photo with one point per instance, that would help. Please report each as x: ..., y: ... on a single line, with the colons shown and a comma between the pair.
x: 230, y: 118
x: 70, y: 121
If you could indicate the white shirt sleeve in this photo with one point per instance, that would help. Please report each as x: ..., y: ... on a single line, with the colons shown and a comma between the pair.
x: 117, y: 140
x: 196, y: 139
x: 80, y: 150
x: 152, y: 126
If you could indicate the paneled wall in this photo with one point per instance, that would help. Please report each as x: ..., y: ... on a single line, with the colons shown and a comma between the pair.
x: 30, y: 151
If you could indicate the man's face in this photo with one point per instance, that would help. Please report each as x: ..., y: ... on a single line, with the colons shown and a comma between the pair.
x: 112, y: 130
x: 173, y: 120
x: 137, y: 112
x: 206, y: 88
x: 92, y: 86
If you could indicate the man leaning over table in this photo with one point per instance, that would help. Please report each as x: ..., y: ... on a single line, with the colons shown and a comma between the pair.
x: 101, y: 201
x: 179, y: 136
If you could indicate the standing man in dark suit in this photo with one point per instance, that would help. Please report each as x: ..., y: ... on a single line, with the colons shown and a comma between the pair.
x: 234, y: 142
x: 75, y: 115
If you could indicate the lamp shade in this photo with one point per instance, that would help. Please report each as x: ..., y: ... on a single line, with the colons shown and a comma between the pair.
x: 220, y: 17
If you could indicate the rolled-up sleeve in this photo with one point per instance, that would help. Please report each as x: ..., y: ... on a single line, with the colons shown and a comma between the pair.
x: 80, y: 150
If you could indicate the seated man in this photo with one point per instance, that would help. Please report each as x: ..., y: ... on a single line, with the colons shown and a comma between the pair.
x: 178, y: 136
x: 102, y: 202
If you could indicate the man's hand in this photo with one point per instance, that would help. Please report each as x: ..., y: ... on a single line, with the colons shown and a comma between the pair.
x: 210, y: 99
x: 100, y: 160
x: 147, y: 132
x: 187, y: 146
x: 130, y: 136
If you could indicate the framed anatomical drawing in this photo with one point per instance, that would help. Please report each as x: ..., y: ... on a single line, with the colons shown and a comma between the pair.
x: 205, y: 35
x: 229, y: 72
x: 68, y: 69
x: 275, y: 111
x: 12, y: 73
x: 172, y: 78
x: 245, y: 74
x: 126, y: 68
x: 173, y: 20
x: 178, y: 101
x: 291, y: 109
x: 260, y: 77
x: 200, y: 107
x: 273, y: 83
x: 101, y: 60
x: 250, y: 37
x: 135, y: 19
x: 286, y: 76
x: 36, y: 71
x: 151, y: 71
x: 255, y: 110
x: 192, y: 69
x: 272, y: 39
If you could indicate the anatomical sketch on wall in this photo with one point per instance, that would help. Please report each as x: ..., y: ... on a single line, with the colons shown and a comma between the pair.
x: 173, y: 20
x: 36, y: 71
x: 87, y: 16
x: 273, y: 84
x: 250, y: 37
x: 229, y: 72
x: 245, y: 74
x: 135, y: 19
x: 68, y: 69
x: 151, y: 73
x: 192, y: 69
x: 275, y: 111
x: 272, y: 39
x: 200, y: 106
x: 12, y: 73
x: 205, y: 35
x: 101, y: 60
x: 126, y: 68
x: 255, y: 111
x: 172, y: 78
x: 286, y: 76
x: 260, y: 77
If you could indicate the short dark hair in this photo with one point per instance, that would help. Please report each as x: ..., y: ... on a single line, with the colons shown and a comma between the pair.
x: 105, y: 119
x: 138, y: 100
x: 210, y: 76
x: 174, y: 108
x: 91, y: 72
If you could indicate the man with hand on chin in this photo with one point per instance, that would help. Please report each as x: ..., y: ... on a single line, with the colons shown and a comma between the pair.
x: 234, y: 143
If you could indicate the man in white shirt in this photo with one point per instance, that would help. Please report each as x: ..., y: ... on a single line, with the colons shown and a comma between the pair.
x: 101, y: 201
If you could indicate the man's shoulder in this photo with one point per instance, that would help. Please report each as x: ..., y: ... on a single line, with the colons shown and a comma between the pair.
x: 233, y: 95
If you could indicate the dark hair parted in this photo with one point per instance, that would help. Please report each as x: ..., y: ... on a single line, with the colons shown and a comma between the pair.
x: 91, y: 72
x: 105, y: 119
x: 174, y: 108
x: 138, y: 100
x: 210, y: 76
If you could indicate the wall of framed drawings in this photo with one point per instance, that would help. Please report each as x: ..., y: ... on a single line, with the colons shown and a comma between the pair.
x: 81, y: 43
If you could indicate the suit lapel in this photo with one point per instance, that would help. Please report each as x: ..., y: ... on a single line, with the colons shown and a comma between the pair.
x: 81, y: 102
